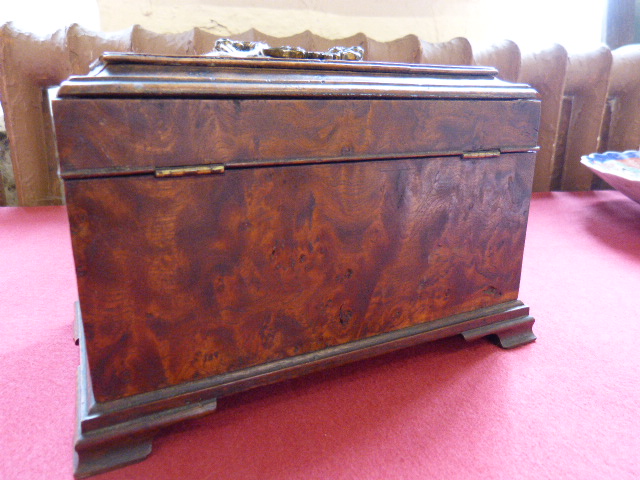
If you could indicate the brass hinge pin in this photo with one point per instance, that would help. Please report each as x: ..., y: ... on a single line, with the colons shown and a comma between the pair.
x: 480, y: 154
x: 189, y: 170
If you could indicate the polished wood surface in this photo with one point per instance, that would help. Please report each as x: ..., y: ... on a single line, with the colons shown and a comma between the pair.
x: 197, y: 276
x: 152, y: 76
x: 279, y: 131
x: 224, y: 239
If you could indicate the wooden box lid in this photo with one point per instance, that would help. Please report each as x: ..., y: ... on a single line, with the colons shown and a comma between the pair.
x: 138, y: 114
x: 135, y: 75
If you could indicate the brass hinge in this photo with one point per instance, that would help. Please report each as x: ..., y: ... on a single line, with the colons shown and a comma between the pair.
x: 480, y: 154
x: 189, y: 170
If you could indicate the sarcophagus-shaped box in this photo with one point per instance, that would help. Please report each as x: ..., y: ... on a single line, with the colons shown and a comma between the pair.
x: 239, y: 221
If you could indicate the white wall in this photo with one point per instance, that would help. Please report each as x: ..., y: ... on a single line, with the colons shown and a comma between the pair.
x: 576, y: 24
x: 46, y: 16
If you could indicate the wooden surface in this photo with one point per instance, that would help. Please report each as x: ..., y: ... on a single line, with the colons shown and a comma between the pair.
x: 621, y: 128
x: 136, y: 76
x: 28, y: 66
x: 355, y: 208
x: 505, y: 56
x: 196, y: 276
x: 546, y: 71
x: 249, y: 132
x: 585, y: 97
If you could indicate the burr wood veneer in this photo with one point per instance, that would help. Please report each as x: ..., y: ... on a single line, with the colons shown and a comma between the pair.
x: 236, y: 222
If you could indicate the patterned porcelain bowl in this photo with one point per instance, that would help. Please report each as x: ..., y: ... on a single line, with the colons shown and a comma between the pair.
x: 621, y: 170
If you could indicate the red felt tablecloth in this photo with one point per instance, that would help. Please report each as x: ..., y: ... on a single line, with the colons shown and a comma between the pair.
x: 566, y: 406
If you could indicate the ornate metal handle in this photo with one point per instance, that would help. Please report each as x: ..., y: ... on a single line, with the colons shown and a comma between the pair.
x: 234, y: 48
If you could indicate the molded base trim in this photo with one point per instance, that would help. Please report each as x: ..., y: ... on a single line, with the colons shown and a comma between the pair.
x: 120, y: 432
x: 99, y: 460
x: 510, y: 334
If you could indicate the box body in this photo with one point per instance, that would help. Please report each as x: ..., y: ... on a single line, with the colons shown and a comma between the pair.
x: 235, y: 222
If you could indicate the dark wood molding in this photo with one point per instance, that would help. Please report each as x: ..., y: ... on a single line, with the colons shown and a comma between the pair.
x: 239, y: 222
x: 118, y: 433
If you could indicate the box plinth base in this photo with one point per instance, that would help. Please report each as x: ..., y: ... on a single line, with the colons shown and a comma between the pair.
x: 118, y: 433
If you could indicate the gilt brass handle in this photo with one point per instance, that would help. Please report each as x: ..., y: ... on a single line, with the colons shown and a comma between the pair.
x: 234, y: 48
x: 334, y: 53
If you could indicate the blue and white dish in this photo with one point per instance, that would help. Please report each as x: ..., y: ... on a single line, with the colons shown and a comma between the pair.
x: 621, y: 170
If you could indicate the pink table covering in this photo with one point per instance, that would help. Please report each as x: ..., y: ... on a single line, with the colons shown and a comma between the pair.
x: 566, y: 406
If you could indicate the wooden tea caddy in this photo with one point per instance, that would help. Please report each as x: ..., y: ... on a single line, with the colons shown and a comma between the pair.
x: 236, y: 222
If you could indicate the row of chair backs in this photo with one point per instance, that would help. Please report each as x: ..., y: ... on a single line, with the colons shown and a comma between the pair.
x: 589, y: 100
x: 30, y: 64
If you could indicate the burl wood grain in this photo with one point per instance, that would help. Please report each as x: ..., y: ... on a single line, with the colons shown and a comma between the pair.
x: 142, y: 134
x: 190, y: 277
